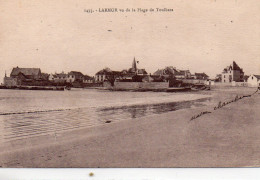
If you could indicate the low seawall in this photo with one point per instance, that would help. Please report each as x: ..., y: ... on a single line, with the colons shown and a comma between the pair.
x: 194, y: 81
x: 239, y: 84
x: 137, y: 85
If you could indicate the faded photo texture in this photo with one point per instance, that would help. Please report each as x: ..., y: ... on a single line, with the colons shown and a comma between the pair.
x: 128, y: 83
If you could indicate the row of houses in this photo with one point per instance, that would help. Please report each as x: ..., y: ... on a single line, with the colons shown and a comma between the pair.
x: 179, y: 74
x: 135, y: 74
x: 72, y: 76
x: 230, y: 74
x: 34, y: 77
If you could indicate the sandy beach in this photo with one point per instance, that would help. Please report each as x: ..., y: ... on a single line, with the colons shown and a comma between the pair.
x: 226, y: 137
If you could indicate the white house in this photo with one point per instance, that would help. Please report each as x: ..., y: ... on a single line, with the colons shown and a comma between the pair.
x: 254, y: 81
x: 74, y: 76
x: 58, y: 77
x: 102, y: 74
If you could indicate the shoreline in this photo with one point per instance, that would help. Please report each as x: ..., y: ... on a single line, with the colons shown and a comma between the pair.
x: 38, y: 88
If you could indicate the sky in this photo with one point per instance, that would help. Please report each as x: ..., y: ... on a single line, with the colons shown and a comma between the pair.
x: 199, y: 35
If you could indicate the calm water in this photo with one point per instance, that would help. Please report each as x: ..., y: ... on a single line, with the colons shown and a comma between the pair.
x: 33, y: 113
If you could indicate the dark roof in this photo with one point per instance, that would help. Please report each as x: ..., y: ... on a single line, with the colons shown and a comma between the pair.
x: 116, y: 72
x: 181, y: 72
x: 201, y: 74
x: 141, y: 71
x: 233, y: 66
x: 77, y: 74
x: 166, y: 71
x: 104, y: 71
x: 158, y: 72
x: 26, y: 71
x: 45, y: 75
x: 108, y: 71
x: 236, y: 67
x: 257, y: 76
x: 61, y: 75
x: 86, y: 77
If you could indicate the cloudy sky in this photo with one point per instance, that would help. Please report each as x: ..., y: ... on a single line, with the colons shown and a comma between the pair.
x: 199, y: 35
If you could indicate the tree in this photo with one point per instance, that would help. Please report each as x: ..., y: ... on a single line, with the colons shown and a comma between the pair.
x: 111, y: 77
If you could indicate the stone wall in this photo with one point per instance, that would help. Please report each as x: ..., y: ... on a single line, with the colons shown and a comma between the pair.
x: 244, y: 84
x: 137, y: 85
x: 194, y: 81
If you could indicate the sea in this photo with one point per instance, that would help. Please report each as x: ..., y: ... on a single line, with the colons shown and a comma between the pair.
x: 28, y: 113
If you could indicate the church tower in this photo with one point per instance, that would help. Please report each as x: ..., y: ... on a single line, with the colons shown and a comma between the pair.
x: 134, y: 66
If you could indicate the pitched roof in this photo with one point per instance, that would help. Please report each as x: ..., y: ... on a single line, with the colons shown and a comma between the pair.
x: 77, y: 74
x: 184, y: 71
x: 236, y: 67
x: 158, y: 72
x: 181, y: 72
x: 257, y: 77
x: 201, y: 74
x: 45, y: 75
x: 141, y: 71
x: 233, y: 66
x: 86, y: 77
x: 61, y: 75
x: 26, y: 71
x: 166, y: 71
x: 104, y: 71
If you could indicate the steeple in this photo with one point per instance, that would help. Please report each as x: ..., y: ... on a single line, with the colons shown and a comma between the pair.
x: 134, y: 66
x: 5, y: 73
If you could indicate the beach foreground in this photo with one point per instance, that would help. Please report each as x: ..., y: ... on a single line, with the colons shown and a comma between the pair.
x: 226, y: 137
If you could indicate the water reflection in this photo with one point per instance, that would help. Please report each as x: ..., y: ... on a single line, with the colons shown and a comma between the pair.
x: 137, y: 111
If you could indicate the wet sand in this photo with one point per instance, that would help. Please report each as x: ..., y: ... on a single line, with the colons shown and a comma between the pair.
x: 226, y: 137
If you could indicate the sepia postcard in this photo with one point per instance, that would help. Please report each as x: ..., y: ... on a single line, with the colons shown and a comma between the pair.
x: 129, y: 84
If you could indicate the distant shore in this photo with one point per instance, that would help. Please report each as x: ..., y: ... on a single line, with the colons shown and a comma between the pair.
x: 227, y: 137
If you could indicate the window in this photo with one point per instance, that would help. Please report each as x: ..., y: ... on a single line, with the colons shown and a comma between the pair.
x: 230, y: 78
x: 252, y: 77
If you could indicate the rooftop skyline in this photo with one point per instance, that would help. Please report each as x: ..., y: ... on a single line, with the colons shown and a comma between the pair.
x: 202, y: 36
